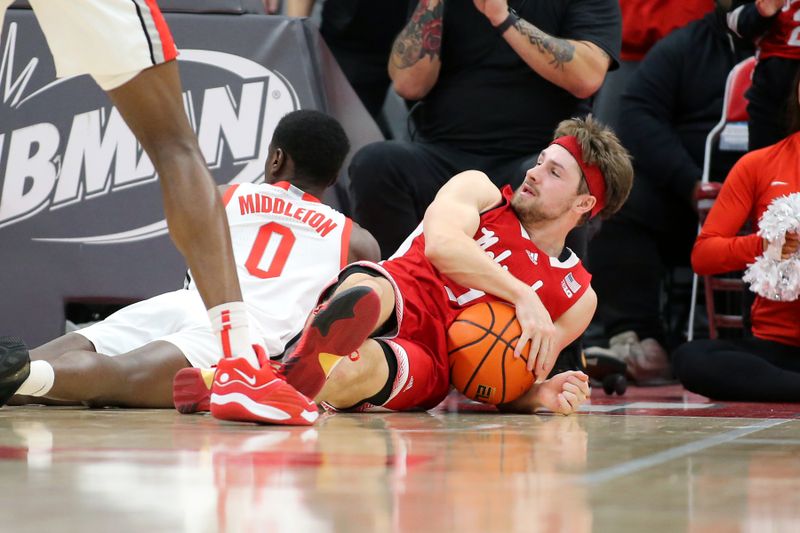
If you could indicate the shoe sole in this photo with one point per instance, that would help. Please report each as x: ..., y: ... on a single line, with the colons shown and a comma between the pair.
x: 15, y: 366
x: 339, y: 329
x: 238, y: 407
x: 190, y: 393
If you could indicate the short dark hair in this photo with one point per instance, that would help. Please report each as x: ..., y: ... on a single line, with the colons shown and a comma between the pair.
x: 316, y: 142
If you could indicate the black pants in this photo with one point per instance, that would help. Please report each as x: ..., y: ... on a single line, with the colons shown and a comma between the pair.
x: 750, y: 369
x: 767, y: 101
x: 628, y: 261
x: 392, y: 183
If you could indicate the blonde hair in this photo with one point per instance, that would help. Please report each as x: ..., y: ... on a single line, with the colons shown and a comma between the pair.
x: 600, y: 146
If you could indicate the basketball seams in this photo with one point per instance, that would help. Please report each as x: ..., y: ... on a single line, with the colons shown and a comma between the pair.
x: 498, y: 338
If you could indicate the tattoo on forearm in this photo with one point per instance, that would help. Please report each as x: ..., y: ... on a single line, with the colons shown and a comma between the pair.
x: 561, y: 50
x: 421, y: 37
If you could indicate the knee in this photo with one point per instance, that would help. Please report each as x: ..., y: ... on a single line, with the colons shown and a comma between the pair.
x: 689, y: 363
x: 371, y: 166
x: 78, y: 362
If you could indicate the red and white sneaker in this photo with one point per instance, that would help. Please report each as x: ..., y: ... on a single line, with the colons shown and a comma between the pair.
x: 191, y: 390
x: 337, y: 328
x: 245, y: 394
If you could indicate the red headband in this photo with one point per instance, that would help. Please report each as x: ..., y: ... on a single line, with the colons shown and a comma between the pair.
x: 592, y: 173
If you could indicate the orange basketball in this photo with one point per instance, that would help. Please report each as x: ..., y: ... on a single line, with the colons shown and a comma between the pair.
x: 480, y: 343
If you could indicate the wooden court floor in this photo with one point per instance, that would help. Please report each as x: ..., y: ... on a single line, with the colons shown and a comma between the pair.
x: 653, y: 460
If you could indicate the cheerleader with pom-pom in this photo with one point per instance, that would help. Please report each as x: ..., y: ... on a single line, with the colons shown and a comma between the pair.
x: 763, y: 188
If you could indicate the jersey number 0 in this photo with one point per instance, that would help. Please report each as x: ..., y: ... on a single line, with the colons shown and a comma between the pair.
x: 275, y: 240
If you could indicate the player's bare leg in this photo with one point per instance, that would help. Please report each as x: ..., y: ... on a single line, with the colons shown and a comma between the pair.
x: 140, y: 378
x: 356, y: 379
x: 152, y: 105
x: 359, y: 306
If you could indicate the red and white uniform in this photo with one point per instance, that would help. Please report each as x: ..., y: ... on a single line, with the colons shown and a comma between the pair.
x: 287, y: 246
x: 428, y: 302
x: 783, y: 37
x: 112, y: 40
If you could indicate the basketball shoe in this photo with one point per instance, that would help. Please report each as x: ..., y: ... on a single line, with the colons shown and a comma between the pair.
x: 15, y: 366
x: 243, y: 393
x: 337, y: 328
x: 191, y: 390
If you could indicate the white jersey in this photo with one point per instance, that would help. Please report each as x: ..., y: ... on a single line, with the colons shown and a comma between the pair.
x: 287, y: 246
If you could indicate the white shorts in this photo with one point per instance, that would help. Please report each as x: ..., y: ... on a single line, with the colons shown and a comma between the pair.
x: 112, y: 40
x: 178, y: 317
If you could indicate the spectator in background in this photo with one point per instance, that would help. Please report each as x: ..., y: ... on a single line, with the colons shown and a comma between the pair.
x: 774, y: 25
x: 494, y: 79
x: 765, y: 367
x: 672, y: 102
x: 360, y: 34
x: 644, y: 23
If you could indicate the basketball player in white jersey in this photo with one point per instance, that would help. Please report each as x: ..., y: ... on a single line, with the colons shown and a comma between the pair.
x: 126, y: 46
x: 287, y: 246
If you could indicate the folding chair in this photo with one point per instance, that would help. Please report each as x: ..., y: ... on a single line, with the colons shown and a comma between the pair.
x: 731, y: 134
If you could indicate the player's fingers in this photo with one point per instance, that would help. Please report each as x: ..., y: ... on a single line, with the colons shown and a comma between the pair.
x: 573, y: 400
x: 573, y: 388
x: 536, y: 343
x: 543, y: 359
x: 582, y: 385
x: 523, y: 339
x: 563, y: 405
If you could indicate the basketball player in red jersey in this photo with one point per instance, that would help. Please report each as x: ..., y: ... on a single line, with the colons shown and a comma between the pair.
x: 379, y: 338
x: 126, y: 46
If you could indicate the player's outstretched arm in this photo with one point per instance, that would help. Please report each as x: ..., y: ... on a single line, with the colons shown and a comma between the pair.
x: 563, y: 394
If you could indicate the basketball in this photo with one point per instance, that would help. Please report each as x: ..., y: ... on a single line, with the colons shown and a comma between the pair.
x: 480, y: 344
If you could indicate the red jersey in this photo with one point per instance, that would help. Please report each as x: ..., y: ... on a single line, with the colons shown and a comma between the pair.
x: 754, y: 182
x: 431, y: 301
x: 783, y: 37
x: 645, y: 22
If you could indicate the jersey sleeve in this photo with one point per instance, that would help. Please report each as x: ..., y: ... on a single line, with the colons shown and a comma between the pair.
x: 718, y: 249
x: 598, y: 22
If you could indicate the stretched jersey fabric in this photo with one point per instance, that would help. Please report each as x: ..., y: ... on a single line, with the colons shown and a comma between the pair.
x: 287, y: 245
x: 754, y: 182
x: 428, y: 301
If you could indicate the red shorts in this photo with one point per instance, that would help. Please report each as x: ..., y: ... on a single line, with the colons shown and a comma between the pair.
x: 419, y: 343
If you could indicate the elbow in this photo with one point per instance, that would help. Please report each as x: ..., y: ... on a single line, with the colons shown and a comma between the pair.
x: 586, y: 86
x: 700, y: 265
x: 410, y: 88
x: 436, y: 251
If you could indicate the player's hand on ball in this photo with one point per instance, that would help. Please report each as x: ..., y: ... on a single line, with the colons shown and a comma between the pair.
x: 537, y: 327
x: 564, y: 393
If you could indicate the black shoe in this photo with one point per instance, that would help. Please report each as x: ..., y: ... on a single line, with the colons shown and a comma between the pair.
x: 15, y: 366
x: 570, y: 358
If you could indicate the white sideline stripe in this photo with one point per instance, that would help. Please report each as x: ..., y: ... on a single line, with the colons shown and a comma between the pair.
x: 264, y: 411
x: 649, y: 461
x: 667, y: 405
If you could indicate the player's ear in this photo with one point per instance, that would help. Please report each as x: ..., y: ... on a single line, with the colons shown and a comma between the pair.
x: 278, y: 161
x: 585, y: 203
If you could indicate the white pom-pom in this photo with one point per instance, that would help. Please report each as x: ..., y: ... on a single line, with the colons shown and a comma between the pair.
x: 771, y: 277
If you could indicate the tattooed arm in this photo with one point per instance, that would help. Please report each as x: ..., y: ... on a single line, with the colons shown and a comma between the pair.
x: 416, y: 54
x: 577, y: 66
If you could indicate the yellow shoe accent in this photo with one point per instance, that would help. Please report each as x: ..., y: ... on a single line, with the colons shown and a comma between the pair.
x: 208, y: 376
x: 328, y: 361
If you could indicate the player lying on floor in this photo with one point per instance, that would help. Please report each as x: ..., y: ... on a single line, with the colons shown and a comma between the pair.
x: 287, y: 247
x: 379, y: 338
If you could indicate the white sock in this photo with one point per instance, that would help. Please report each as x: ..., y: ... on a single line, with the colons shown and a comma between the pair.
x: 231, y: 325
x: 40, y: 381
